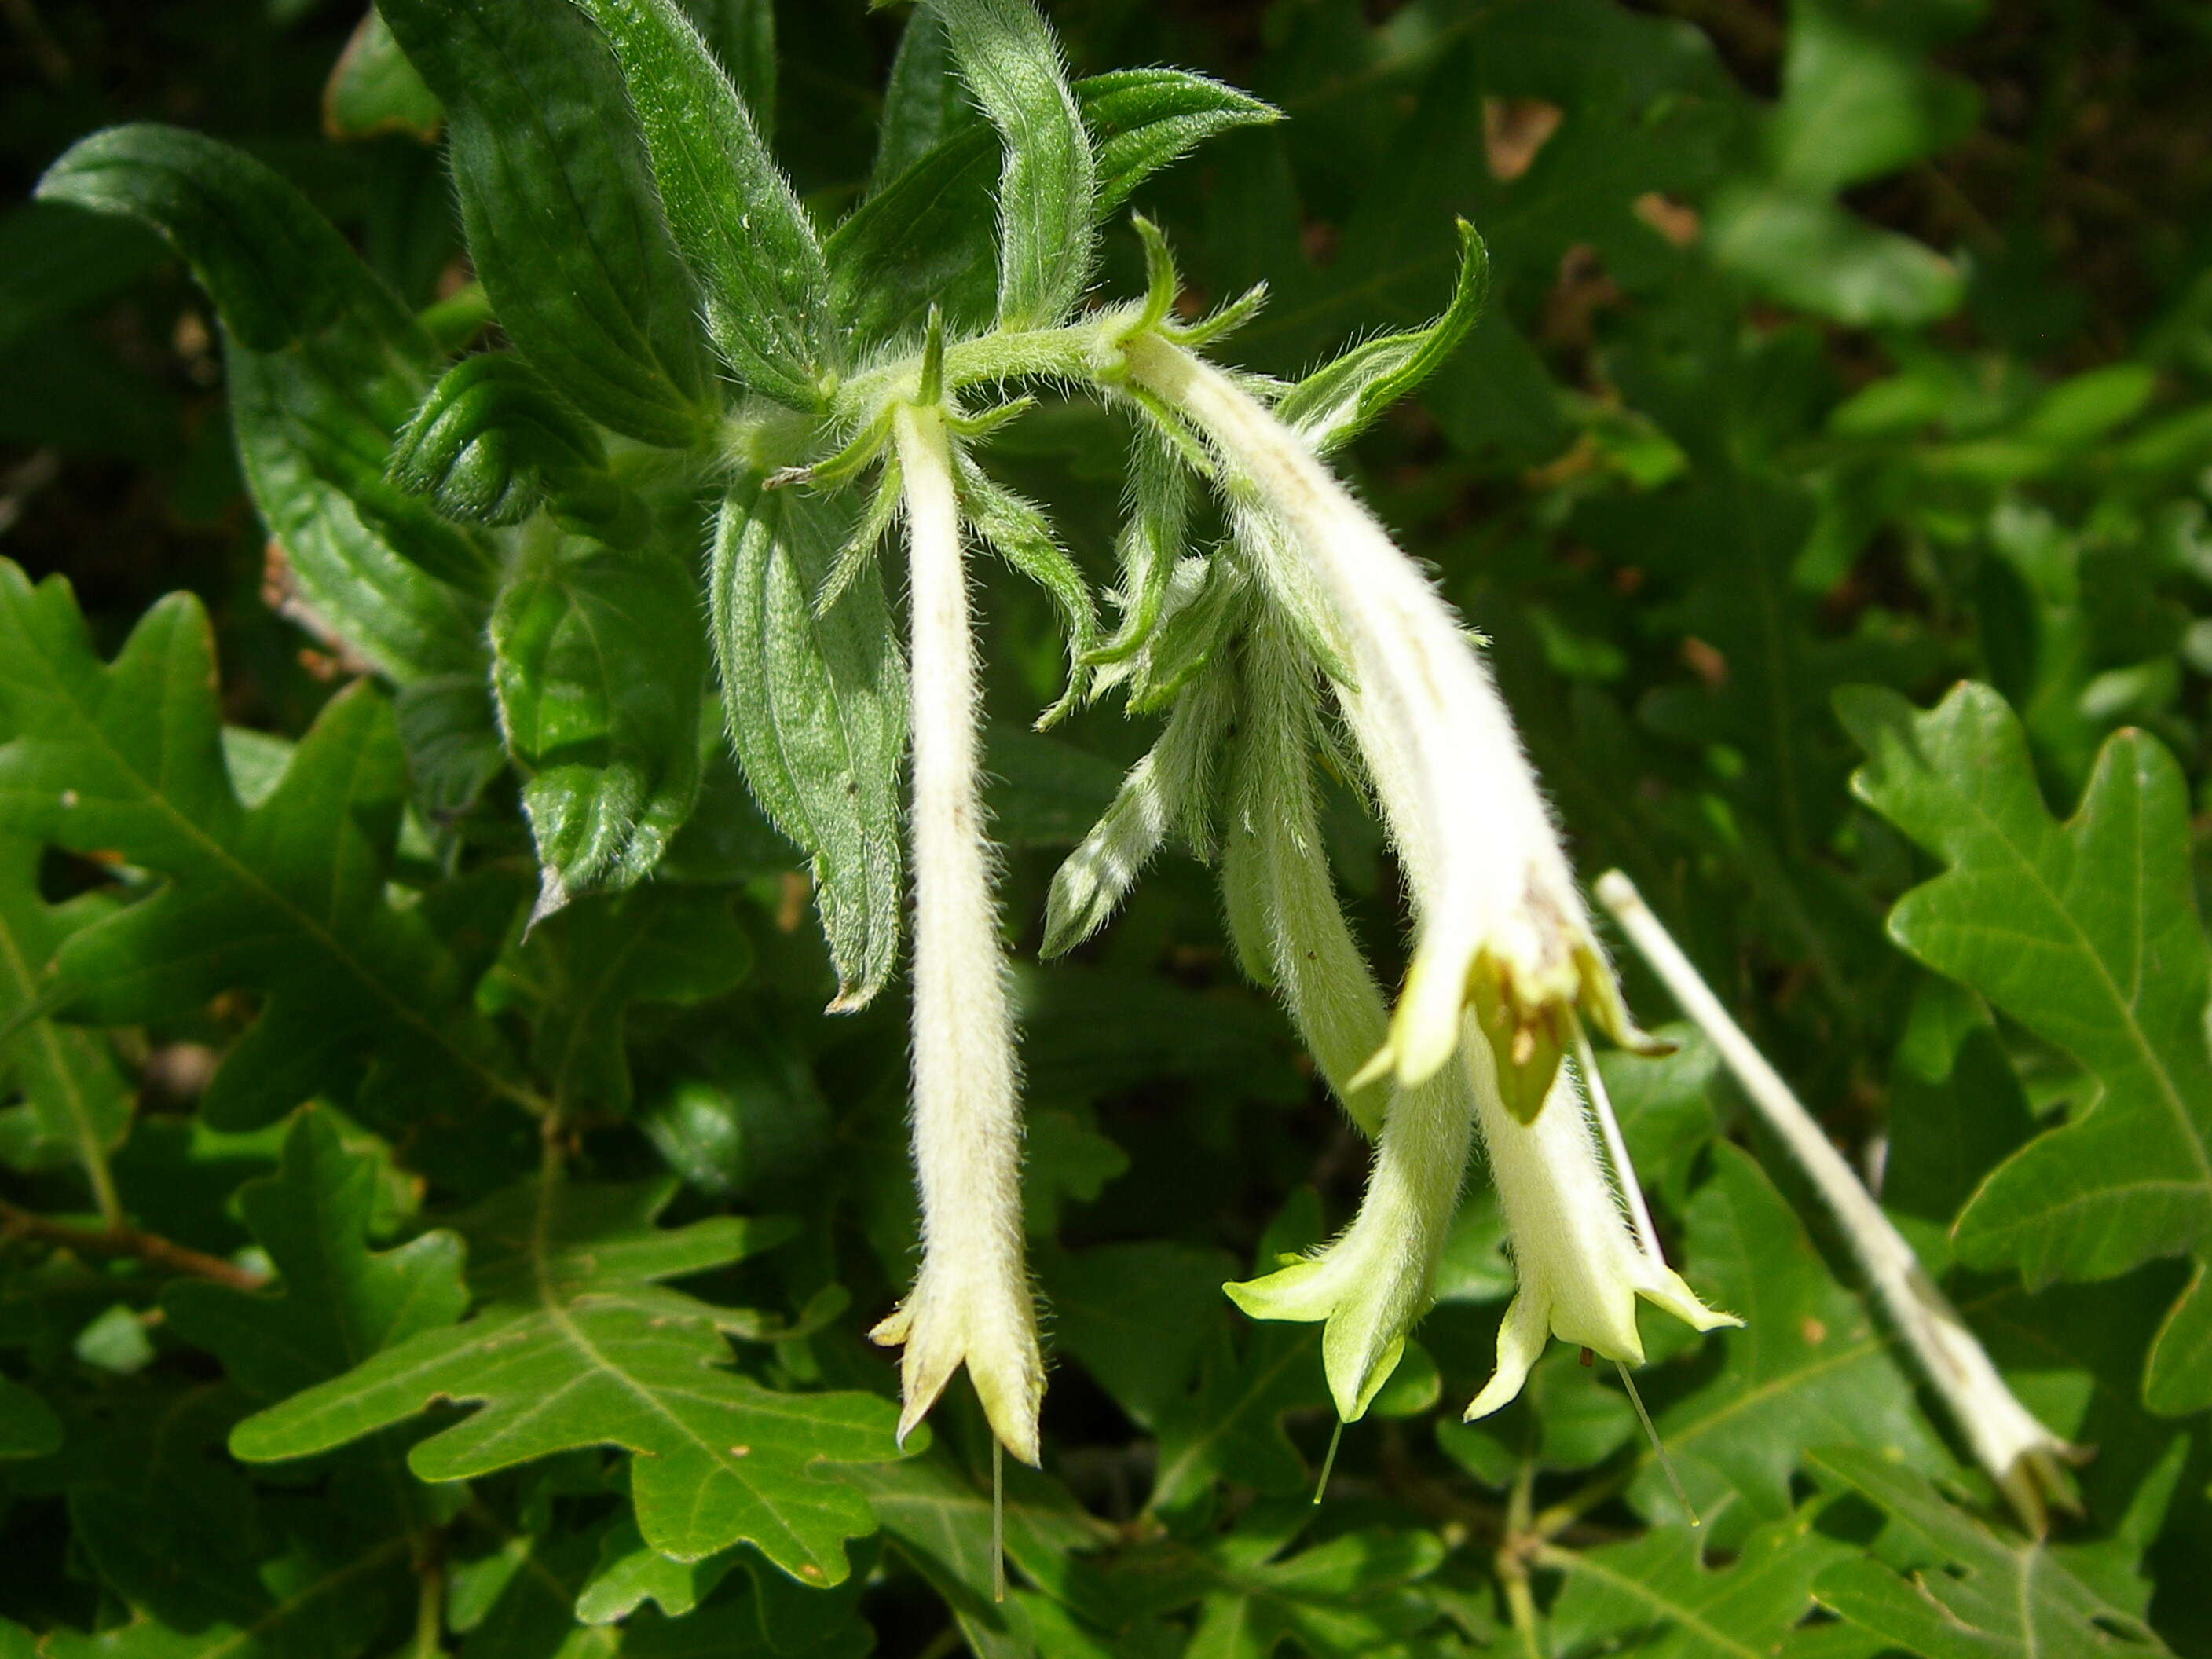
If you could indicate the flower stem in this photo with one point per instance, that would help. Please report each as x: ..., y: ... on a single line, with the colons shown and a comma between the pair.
x: 2020, y: 1455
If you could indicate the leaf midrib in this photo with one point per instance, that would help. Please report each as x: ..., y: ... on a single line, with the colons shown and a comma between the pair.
x: 244, y: 877
x: 2123, y: 1010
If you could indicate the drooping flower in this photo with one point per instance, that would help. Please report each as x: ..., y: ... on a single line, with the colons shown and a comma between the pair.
x: 1373, y: 1281
x: 1581, y: 1269
x: 1501, y: 929
x: 971, y: 1303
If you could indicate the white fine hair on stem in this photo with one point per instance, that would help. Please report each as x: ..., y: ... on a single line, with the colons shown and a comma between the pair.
x: 971, y: 1303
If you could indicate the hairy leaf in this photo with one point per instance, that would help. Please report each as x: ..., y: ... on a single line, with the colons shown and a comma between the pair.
x: 558, y: 206
x: 927, y: 235
x: 324, y: 366
x: 744, y: 233
x: 599, y: 668
x: 1048, y: 182
x: 818, y: 714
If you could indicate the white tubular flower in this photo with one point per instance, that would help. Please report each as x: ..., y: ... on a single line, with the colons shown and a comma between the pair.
x: 1500, y: 925
x: 1581, y: 1270
x: 970, y: 1302
x: 1373, y: 1281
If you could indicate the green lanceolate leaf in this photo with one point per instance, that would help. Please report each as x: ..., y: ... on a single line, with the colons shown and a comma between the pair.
x: 2086, y: 933
x: 74, y: 1101
x: 1048, y: 182
x: 337, y: 1301
x: 1169, y: 790
x: 1288, y: 921
x: 1021, y: 535
x: 324, y: 366
x: 922, y: 101
x: 600, y: 670
x: 287, y: 899
x: 490, y: 441
x: 739, y: 227
x: 1141, y: 120
x: 927, y: 235
x: 1337, y: 402
x: 1981, y: 1593
x: 741, y: 34
x: 818, y: 713
x: 557, y: 204
x: 575, y: 1344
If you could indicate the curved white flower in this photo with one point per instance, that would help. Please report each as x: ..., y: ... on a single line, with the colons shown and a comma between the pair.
x: 1581, y: 1269
x: 970, y: 1304
x: 1373, y: 1282
x: 1501, y: 928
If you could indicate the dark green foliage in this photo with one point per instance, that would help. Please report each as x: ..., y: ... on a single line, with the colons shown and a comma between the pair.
x: 453, y: 827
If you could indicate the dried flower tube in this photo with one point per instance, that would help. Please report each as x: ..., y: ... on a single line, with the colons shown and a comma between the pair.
x: 2027, y: 1462
x: 970, y: 1302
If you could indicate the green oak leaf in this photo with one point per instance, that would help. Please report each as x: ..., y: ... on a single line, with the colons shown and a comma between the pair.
x: 1231, y: 1426
x: 575, y: 1345
x: 2088, y: 933
x: 338, y: 1302
x: 1656, y: 1595
x: 287, y: 899
x: 1263, y: 1583
x: 1353, y: 1593
x: 74, y: 1100
x: 600, y: 955
x: 938, y: 1516
x: 1974, y: 1593
x: 209, y: 1567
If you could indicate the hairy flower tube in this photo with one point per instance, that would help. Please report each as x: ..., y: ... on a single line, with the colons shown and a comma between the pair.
x: 970, y: 1304
x: 1373, y: 1281
x: 1581, y: 1270
x: 1500, y: 926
